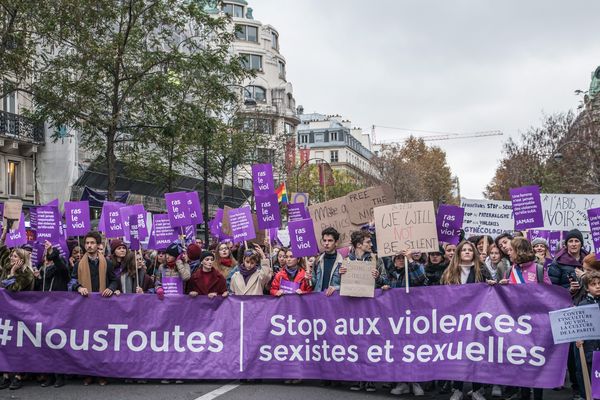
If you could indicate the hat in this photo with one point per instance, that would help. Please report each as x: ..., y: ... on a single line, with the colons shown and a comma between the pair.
x: 27, y: 247
x: 574, y: 234
x: 539, y: 240
x: 174, y: 249
x: 115, y: 244
x: 193, y: 251
x: 205, y: 254
x: 441, y: 251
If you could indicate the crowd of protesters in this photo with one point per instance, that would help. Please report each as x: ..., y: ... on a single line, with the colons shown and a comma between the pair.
x: 223, y: 269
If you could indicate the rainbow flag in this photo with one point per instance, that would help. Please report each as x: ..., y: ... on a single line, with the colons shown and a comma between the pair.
x: 281, y: 193
x: 516, y: 276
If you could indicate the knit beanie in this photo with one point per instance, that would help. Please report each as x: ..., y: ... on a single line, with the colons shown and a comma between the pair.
x: 174, y: 249
x: 194, y: 251
x: 574, y: 234
x: 539, y: 240
x: 115, y: 244
x: 205, y: 254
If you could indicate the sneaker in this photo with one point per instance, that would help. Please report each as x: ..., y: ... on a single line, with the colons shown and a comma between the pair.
x: 387, y: 385
x: 15, y: 383
x: 165, y: 381
x: 102, y: 382
x: 478, y: 395
x: 5, y: 383
x: 370, y: 387
x: 87, y: 381
x: 496, y: 391
x: 401, y: 388
x: 457, y: 395
x: 417, y: 389
x: 357, y: 386
x: 60, y: 381
x: 47, y: 382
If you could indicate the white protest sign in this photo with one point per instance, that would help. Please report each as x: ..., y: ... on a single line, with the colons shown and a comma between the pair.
x: 358, y: 280
x: 487, y: 217
x: 575, y: 323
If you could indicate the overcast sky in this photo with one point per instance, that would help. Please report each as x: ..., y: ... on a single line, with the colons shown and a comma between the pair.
x: 456, y: 66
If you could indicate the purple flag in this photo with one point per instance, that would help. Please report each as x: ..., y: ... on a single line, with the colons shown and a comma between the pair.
x: 177, y: 209
x: 112, y: 223
x: 195, y: 209
x: 452, y: 332
x: 134, y: 232
x: 262, y: 179
x: 140, y: 215
x: 303, y: 242
x: 594, y: 221
x: 297, y: 211
x: 527, y: 207
x: 162, y: 234
x: 47, y: 224
x: 63, y: 248
x: 267, y: 211
x: 77, y: 217
x: 449, y: 222
x: 596, y: 375
x: 37, y: 253
x: 242, y: 226
x: 17, y: 237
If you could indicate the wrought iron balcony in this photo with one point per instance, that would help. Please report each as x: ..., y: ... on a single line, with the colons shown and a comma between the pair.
x: 17, y: 127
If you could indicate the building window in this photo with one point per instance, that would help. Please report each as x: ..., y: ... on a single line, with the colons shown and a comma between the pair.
x: 233, y: 10
x: 274, y: 40
x: 334, y: 156
x: 251, y: 62
x: 258, y: 93
x: 246, y: 32
x: 13, y: 178
x: 259, y: 125
x: 333, y: 136
x: 303, y: 139
x: 281, y: 70
x: 265, y: 156
x: 288, y: 129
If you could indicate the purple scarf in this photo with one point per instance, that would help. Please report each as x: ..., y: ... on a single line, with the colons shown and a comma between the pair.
x: 247, y: 273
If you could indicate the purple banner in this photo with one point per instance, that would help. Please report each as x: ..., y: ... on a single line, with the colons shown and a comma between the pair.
x: 242, y: 226
x: 47, y: 224
x: 195, y: 209
x: 112, y: 223
x: 594, y: 221
x: 17, y: 237
x: 449, y: 222
x: 297, y: 211
x: 139, y: 212
x: 527, y: 207
x: 177, y: 209
x: 267, y: 211
x: 471, y: 332
x: 596, y: 375
x: 262, y: 179
x: 77, y: 217
x: 162, y: 234
x: 303, y: 242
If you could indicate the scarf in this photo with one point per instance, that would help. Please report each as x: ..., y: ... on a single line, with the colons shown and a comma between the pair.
x: 292, y: 272
x: 84, y: 276
x: 227, y: 262
x: 247, y: 273
x: 171, y: 264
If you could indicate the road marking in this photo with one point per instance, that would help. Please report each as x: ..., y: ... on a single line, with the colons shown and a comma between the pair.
x: 218, y: 391
x: 241, y: 336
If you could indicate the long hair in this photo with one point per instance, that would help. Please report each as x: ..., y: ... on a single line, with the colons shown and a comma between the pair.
x: 452, y: 274
x: 301, y: 261
x: 523, y: 250
x: 24, y: 256
x: 130, y: 263
x: 218, y: 257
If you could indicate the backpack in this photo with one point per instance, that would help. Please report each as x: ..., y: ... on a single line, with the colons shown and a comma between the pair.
x: 539, y: 272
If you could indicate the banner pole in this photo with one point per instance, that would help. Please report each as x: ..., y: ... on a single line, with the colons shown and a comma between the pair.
x: 137, y: 275
x: 586, y: 375
x: 406, y: 272
x: 268, y: 235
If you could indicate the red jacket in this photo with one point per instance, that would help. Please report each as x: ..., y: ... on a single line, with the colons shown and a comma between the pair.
x: 299, y: 279
x: 206, y: 282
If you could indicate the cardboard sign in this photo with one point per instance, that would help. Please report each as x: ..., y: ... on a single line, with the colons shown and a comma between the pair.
x: 527, y: 207
x: 406, y: 226
x: 575, y: 323
x: 12, y: 214
x: 299, y: 197
x: 333, y: 213
x: 361, y: 202
x: 225, y: 225
x: 358, y: 280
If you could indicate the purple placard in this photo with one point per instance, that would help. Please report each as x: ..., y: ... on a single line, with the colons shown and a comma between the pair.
x: 134, y: 232
x: 17, y: 237
x: 303, y: 242
x: 162, y: 234
x: 267, y: 211
x: 594, y: 221
x: 216, y: 225
x: 47, y: 223
x: 242, y: 226
x: 53, y: 203
x: 262, y: 179
x: 195, y: 208
x: 554, y: 241
x: 297, y: 211
x: 489, y: 350
x: 527, y: 207
x: 172, y: 285
x: 140, y: 214
x: 449, y: 222
x: 596, y: 375
x: 77, y: 217
x: 37, y: 253
x: 288, y: 287
x: 63, y: 248
x: 190, y: 234
x: 112, y: 224
x: 177, y: 209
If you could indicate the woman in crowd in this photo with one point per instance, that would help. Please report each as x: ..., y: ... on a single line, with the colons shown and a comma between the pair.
x: 224, y: 261
x: 496, y: 264
x: 502, y: 242
x: 118, y: 251
x: 175, y: 272
x: 450, y: 249
x: 76, y: 254
x: 292, y: 278
x: 436, y: 265
x: 542, y: 251
x: 206, y: 280
x: 133, y: 277
x: 250, y: 279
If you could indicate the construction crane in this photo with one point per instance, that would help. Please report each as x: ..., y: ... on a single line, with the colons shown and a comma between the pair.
x: 440, y: 136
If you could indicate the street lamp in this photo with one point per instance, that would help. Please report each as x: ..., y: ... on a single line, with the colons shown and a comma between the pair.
x: 558, y: 156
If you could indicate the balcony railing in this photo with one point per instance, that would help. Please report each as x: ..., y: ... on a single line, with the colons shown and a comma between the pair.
x: 18, y: 127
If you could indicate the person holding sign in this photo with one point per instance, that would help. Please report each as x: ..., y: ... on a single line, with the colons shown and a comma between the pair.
x: 250, y: 279
x: 397, y: 276
x: 591, y: 284
x: 175, y: 271
x: 133, y: 278
x: 435, y: 267
x: 362, y: 246
x: 326, y: 276
x: 291, y: 279
x: 206, y: 280
x: 53, y: 276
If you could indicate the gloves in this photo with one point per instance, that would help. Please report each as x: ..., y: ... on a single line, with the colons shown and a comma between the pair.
x: 160, y: 293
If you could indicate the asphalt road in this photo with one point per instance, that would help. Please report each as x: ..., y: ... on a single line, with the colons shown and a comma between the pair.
x: 222, y: 390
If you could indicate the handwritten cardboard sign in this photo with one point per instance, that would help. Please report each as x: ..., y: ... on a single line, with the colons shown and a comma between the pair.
x: 12, y: 214
x: 358, y: 280
x: 333, y: 213
x: 406, y: 226
x: 361, y: 202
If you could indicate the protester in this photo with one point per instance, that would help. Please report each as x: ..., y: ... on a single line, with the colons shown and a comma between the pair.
x: 133, y: 278
x: 194, y: 251
x: 76, y: 254
x: 206, y: 280
x: 279, y: 260
x: 567, y: 265
x: 250, y: 279
x: 292, y: 278
x: 326, y: 276
x: 397, y: 275
x: 502, y: 241
x: 224, y: 261
x: 450, y: 249
x: 118, y: 251
x: 542, y: 251
x: 591, y: 284
x: 578, y: 292
x: 53, y: 275
x: 435, y: 267
x: 496, y: 264
x: 176, y: 266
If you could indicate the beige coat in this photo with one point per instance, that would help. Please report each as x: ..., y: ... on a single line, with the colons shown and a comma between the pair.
x: 256, y: 284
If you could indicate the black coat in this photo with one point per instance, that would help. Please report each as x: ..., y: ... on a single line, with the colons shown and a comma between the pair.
x: 53, y: 277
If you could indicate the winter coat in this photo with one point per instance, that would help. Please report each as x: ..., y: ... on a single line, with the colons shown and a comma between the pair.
x: 181, y: 270
x: 112, y: 282
x: 282, y: 275
x: 53, y: 277
x: 563, y: 266
x: 416, y: 275
x: 197, y: 284
x: 589, y: 346
x: 382, y: 278
x: 434, y: 272
x: 21, y: 281
x: 256, y: 284
x: 334, y: 278
x: 529, y: 272
x: 143, y: 279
